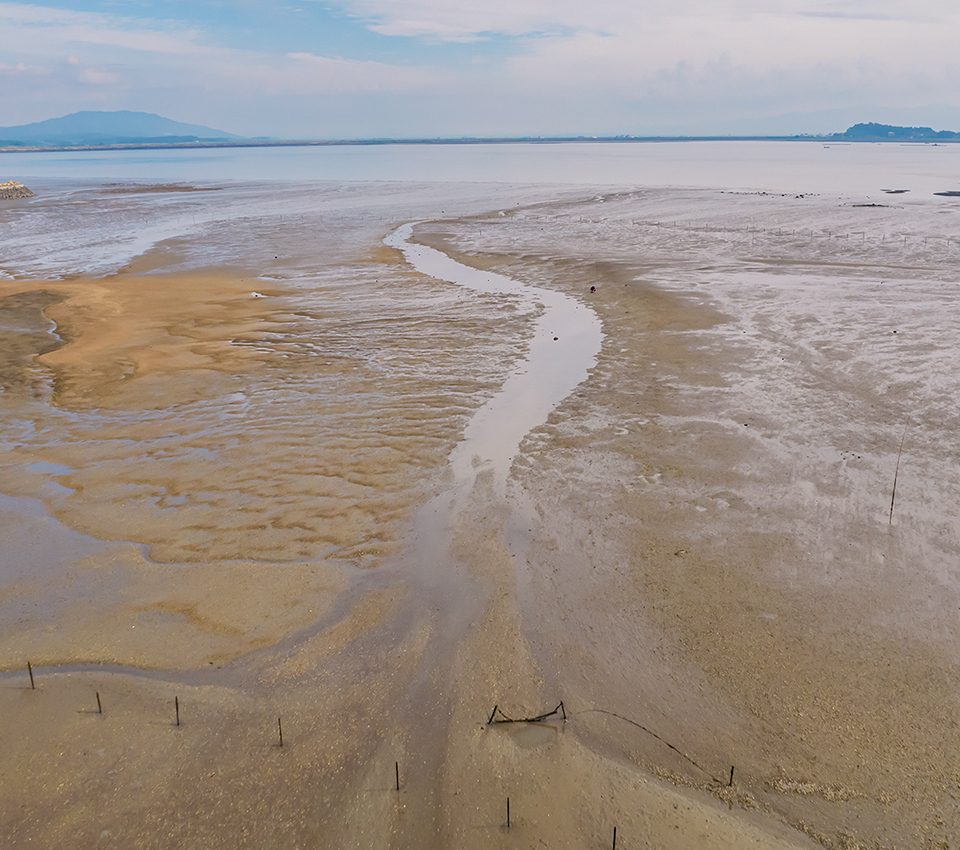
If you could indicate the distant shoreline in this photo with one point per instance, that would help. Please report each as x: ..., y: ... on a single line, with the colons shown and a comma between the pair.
x: 520, y: 140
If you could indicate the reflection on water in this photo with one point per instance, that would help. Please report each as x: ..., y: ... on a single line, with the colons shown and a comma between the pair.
x: 771, y: 166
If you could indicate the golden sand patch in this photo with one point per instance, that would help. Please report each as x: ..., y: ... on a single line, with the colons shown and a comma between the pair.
x: 126, y: 343
x: 370, y: 611
x: 118, y: 608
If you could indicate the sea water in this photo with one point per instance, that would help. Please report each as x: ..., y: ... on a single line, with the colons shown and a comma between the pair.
x: 807, y: 166
x: 81, y: 222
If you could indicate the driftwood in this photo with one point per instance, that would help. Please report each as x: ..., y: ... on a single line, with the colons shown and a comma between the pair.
x: 504, y: 719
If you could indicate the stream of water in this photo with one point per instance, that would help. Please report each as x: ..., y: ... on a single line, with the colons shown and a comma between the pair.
x: 566, y: 340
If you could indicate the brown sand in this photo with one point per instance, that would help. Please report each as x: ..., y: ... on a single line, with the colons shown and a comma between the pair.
x: 730, y: 471
x: 696, y: 542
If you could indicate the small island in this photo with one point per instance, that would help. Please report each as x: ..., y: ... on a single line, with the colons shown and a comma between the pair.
x: 890, y: 133
x: 11, y: 191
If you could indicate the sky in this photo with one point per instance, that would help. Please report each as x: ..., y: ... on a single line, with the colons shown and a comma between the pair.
x: 344, y: 69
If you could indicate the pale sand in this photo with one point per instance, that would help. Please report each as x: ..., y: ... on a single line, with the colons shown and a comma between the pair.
x: 697, y: 541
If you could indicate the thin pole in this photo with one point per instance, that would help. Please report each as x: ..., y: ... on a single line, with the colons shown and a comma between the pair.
x: 396, y: 768
x: 614, y: 838
x: 33, y: 687
x: 176, y: 708
x: 99, y: 706
x: 280, y: 730
x: 508, y: 813
x: 896, y: 472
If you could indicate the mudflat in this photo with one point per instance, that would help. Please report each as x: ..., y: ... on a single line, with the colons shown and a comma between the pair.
x: 227, y: 504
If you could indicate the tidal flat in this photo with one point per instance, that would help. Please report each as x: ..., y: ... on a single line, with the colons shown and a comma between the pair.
x: 235, y: 505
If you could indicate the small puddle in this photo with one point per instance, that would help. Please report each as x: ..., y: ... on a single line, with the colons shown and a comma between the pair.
x: 532, y: 736
x: 37, y: 545
x: 49, y: 468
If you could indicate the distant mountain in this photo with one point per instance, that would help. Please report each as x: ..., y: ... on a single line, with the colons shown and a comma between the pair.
x: 109, y: 128
x: 891, y: 133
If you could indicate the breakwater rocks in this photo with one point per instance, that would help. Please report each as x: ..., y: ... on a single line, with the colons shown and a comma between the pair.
x: 11, y: 191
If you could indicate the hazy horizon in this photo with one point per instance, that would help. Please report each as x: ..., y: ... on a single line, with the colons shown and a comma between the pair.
x: 124, y: 127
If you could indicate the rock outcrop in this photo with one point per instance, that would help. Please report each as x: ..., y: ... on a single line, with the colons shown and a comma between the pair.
x: 14, y: 191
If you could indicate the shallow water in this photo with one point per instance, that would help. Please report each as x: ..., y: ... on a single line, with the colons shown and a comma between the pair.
x: 809, y: 166
x: 86, y: 221
x: 279, y: 229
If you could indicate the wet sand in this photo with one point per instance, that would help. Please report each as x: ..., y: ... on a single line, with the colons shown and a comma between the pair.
x: 232, y: 487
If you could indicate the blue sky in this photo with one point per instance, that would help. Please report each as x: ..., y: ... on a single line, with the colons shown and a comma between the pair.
x: 410, y: 68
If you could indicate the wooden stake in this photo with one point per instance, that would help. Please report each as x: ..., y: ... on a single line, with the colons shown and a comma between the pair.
x: 508, y: 813
x: 614, y: 838
x: 176, y: 708
x: 99, y: 706
x: 280, y: 730
x: 730, y: 783
x: 396, y: 768
x: 33, y: 687
x: 896, y: 472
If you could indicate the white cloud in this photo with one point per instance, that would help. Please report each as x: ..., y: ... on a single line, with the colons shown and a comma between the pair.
x: 46, y: 31
x: 459, y: 21
x: 93, y: 77
x: 761, y: 46
x: 806, y: 53
x: 23, y: 68
x: 466, y: 21
x: 321, y: 73
x: 617, y: 66
x: 124, y: 52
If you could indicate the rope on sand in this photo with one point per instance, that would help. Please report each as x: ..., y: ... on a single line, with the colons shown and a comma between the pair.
x: 678, y: 751
x: 503, y: 718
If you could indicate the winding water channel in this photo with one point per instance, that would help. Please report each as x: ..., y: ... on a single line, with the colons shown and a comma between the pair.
x: 566, y: 340
x: 563, y: 347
